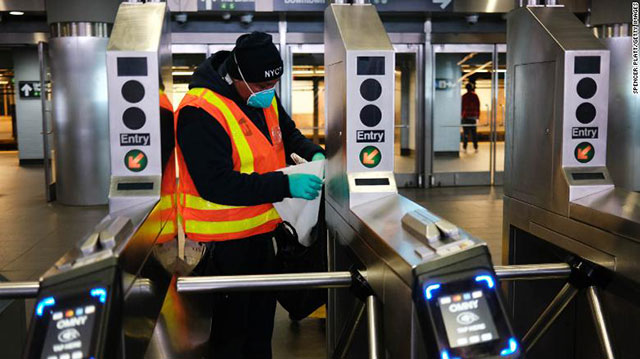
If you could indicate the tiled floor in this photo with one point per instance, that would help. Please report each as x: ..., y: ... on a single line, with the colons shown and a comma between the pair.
x: 34, y: 234
x: 470, y: 161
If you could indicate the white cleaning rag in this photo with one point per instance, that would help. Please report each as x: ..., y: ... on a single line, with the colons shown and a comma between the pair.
x: 301, y: 213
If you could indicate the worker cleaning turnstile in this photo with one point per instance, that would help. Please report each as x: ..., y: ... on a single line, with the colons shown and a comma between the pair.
x: 102, y: 298
x: 429, y: 287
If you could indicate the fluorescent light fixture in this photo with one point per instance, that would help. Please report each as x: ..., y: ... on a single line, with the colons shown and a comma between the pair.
x: 16, y: 13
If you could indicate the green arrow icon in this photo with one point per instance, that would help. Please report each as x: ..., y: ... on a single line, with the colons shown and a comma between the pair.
x: 584, y: 152
x: 370, y: 156
x: 135, y: 160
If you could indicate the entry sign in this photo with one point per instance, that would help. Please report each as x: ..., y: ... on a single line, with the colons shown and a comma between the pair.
x: 135, y: 160
x: 29, y: 89
x: 370, y: 156
x: 584, y: 152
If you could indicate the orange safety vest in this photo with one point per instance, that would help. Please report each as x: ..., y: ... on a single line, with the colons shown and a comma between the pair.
x: 167, y: 207
x: 251, y: 152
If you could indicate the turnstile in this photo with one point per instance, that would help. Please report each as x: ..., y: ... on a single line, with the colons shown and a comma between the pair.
x: 560, y: 202
x: 103, y: 298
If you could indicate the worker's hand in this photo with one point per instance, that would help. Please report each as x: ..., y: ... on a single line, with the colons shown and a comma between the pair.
x: 305, y: 186
x: 319, y: 157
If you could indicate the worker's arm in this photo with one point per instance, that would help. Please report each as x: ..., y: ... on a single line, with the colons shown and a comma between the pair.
x: 207, y: 152
x: 294, y: 141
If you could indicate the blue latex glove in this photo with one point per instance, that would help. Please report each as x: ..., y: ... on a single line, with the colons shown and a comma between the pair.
x: 304, y: 186
x: 318, y: 157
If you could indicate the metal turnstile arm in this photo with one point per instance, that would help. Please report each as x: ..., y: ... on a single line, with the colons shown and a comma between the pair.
x: 13, y: 290
x: 288, y: 281
x: 549, y: 315
x: 533, y: 271
x: 600, y: 322
x: 373, y: 327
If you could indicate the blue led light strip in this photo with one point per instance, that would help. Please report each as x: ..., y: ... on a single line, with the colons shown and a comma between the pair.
x: 486, y: 278
x: 101, y: 293
x: 430, y: 289
x: 46, y: 302
x: 513, y: 346
x: 445, y: 355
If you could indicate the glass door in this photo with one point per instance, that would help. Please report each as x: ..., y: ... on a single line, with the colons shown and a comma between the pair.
x: 468, y: 115
x: 409, y: 114
x: 306, y: 98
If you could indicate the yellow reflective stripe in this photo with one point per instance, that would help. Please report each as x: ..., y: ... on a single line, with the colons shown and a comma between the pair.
x: 169, y: 227
x: 166, y: 202
x: 196, y: 202
x: 244, y: 151
x: 274, y: 104
x: 197, y: 91
x: 224, y: 227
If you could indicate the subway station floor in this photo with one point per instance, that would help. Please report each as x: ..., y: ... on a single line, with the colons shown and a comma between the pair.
x: 34, y: 234
x: 470, y: 161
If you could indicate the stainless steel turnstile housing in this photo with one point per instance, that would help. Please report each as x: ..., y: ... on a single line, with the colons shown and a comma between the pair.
x: 560, y: 203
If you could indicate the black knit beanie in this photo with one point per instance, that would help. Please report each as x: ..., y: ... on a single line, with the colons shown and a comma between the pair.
x: 257, y: 57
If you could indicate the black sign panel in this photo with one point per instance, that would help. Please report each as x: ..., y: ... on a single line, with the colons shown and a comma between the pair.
x: 299, y: 5
x: 587, y: 65
x: 29, y: 89
x: 226, y: 5
x: 132, y: 66
x: 370, y: 65
x: 369, y: 136
x: 584, y: 132
x: 135, y: 139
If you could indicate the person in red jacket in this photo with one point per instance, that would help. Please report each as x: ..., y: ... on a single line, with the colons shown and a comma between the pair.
x: 470, y: 115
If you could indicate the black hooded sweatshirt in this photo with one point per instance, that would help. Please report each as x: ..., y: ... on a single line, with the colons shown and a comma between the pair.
x: 207, y: 152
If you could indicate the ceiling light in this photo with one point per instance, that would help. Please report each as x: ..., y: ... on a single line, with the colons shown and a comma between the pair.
x: 16, y: 13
